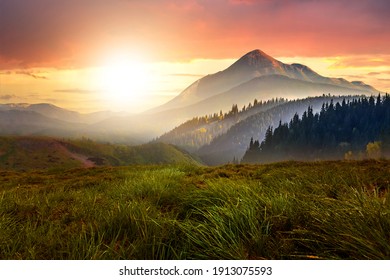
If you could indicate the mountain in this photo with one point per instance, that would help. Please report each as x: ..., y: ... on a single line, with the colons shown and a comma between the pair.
x: 24, y: 122
x: 58, y: 113
x: 49, y: 120
x: 27, y: 152
x: 262, y: 88
x: 258, y: 66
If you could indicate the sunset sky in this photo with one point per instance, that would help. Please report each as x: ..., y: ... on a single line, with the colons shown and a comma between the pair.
x: 91, y: 55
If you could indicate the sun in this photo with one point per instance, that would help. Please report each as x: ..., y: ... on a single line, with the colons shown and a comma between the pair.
x: 123, y: 81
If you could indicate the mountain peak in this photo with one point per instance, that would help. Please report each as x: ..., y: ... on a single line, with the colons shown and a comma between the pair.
x: 256, y: 53
x: 256, y: 63
x: 257, y: 58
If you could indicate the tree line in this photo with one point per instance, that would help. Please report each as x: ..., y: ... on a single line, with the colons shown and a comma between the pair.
x: 349, y: 129
x: 200, y: 131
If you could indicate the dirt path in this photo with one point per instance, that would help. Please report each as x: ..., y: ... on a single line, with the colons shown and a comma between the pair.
x: 81, y: 158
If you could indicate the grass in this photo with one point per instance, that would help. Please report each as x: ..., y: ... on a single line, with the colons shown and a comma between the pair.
x: 27, y: 153
x: 291, y: 210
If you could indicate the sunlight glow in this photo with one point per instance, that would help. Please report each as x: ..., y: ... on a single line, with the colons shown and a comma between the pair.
x: 123, y: 81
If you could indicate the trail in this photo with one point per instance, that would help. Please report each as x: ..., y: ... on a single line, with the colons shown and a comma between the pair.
x: 80, y: 157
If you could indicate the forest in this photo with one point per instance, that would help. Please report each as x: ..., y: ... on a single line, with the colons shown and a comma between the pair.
x: 200, y: 131
x: 350, y: 129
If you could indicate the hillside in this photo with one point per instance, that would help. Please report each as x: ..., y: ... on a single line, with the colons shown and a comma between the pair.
x: 200, y: 131
x: 25, y: 153
x: 222, y: 138
x: 233, y: 144
x: 350, y: 129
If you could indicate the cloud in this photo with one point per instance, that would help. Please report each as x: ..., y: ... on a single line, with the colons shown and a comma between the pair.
x: 31, y: 74
x: 378, y: 73
x: 186, y: 75
x: 77, y: 90
x: 6, y: 73
x: 165, y: 92
x: 354, y: 76
x: 7, y: 96
x: 242, y: 2
x: 73, y: 33
x: 362, y: 61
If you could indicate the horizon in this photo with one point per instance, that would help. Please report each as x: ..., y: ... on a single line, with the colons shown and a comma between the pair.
x: 146, y: 54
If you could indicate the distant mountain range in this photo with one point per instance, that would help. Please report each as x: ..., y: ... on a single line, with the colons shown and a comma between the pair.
x: 54, y: 112
x: 50, y: 120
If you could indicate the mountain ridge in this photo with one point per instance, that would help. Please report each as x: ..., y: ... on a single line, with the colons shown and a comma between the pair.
x: 252, y: 65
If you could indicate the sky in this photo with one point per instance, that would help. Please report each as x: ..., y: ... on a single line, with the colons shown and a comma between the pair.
x: 91, y: 55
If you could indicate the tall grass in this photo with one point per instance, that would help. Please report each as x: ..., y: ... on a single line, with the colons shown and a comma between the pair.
x: 330, y: 210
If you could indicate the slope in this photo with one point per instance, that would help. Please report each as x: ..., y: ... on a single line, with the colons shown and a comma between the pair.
x: 355, y: 130
x: 25, y: 153
x: 199, y: 131
x: 235, y: 141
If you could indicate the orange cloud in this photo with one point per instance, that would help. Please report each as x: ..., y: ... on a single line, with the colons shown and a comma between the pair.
x: 362, y: 61
x: 7, y: 96
x: 243, y: 2
x: 31, y: 74
x: 73, y: 33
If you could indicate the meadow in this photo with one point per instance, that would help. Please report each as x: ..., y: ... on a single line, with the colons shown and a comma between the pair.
x: 290, y: 210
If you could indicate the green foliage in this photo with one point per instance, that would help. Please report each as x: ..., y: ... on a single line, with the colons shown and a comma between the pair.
x: 291, y: 210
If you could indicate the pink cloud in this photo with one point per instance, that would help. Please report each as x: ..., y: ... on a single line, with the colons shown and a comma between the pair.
x: 76, y: 33
x: 242, y: 2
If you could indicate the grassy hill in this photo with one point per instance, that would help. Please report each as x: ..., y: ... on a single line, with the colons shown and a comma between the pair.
x: 26, y: 153
x: 292, y: 210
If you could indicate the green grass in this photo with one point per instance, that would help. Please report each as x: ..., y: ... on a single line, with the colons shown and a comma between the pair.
x: 26, y: 153
x: 324, y: 210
